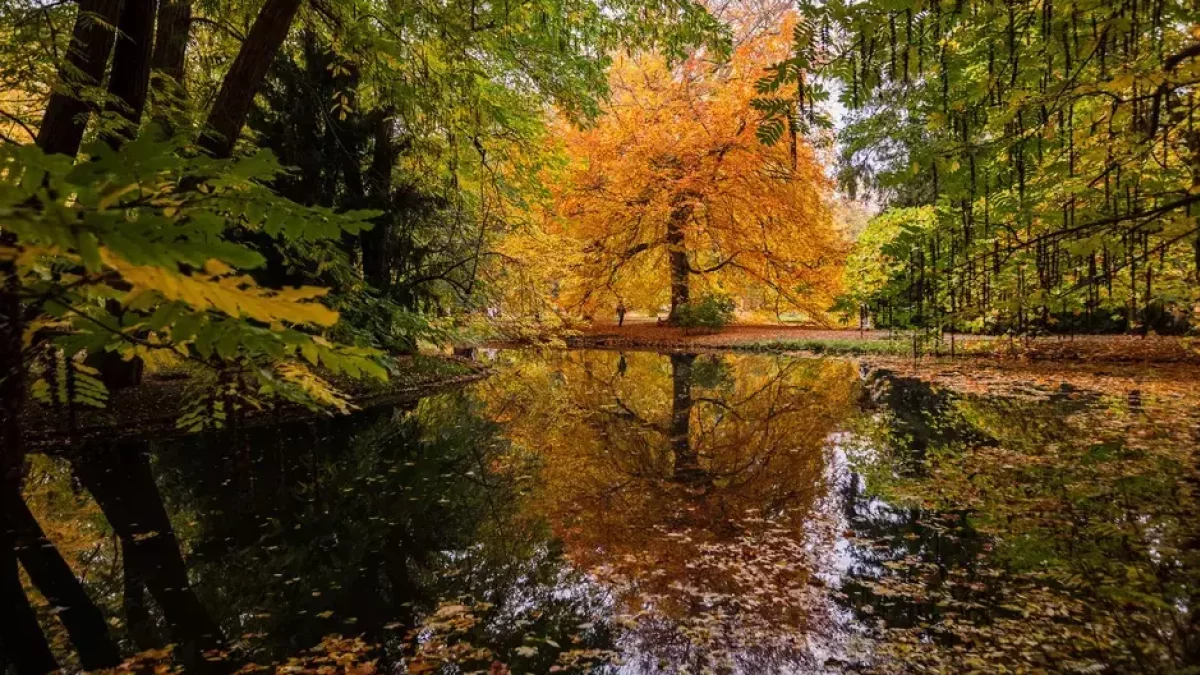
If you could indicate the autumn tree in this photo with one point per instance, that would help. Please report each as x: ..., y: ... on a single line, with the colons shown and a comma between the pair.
x: 671, y: 191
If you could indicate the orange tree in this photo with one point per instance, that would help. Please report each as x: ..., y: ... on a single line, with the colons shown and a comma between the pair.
x: 670, y: 192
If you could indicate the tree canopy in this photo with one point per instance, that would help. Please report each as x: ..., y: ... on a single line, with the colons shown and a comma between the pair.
x: 672, y: 190
x: 1055, y: 142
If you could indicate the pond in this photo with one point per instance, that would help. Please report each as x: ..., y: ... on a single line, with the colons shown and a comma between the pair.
x: 599, y: 511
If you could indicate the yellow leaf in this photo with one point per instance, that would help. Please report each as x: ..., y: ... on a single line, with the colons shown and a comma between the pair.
x: 235, y: 296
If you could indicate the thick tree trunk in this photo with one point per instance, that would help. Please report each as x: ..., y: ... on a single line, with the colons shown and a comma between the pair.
x: 53, y: 578
x: 171, y: 39
x: 129, y: 82
x: 169, y: 60
x: 376, y: 257
x: 232, y: 105
x: 677, y: 255
x: 121, y: 482
x: 87, y: 57
x: 21, y: 639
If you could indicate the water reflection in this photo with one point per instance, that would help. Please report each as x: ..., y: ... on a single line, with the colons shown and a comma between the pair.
x: 637, y: 512
x: 687, y: 484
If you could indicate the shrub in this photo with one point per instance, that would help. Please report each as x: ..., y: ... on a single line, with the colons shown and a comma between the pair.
x: 710, y: 311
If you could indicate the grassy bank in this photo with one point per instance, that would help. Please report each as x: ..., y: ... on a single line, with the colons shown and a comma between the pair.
x: 832, y: 346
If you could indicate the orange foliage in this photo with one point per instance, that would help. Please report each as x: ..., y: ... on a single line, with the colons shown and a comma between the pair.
x: 671, y: 192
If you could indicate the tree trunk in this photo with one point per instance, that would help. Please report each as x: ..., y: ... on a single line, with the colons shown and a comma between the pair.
x: 232, y: 105
x: 129, y: 81
x: 677, y: 247
x: 171, y: 39
x: 375, y: 254
x: 21, y: 637
x: 87, y: 56
x: 121, y: 482
x: 53, y: 578
x: 128, y: 84
x: 169, y: 59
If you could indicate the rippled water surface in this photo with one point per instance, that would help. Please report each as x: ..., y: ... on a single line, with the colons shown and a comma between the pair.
x: 596, y: 511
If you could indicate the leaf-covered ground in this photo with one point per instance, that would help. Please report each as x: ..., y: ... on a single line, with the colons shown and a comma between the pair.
x: 776, y: 338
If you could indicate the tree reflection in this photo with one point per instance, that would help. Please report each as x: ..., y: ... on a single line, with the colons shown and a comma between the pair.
x: 688, y: 484
x: 370, y: 526
x: 120, y: 479
x: 377, y: 526
x: 1045, y: 516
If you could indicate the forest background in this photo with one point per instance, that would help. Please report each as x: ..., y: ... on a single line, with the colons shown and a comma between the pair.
x: 273, y: 195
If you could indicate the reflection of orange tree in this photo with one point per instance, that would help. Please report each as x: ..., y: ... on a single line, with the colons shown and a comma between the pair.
x: 686, y: 483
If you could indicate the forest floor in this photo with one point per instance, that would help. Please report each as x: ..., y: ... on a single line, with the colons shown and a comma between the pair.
x: 646, y: 333
x: 152, y: 409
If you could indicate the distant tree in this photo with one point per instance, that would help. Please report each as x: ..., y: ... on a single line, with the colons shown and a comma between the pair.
x: 671, y: 190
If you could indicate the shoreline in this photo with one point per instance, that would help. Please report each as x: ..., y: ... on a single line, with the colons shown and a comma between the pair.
x: 150, y: 411
x: 826, y: 342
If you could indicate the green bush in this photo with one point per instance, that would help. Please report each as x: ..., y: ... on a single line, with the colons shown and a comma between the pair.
x: 710, y: 311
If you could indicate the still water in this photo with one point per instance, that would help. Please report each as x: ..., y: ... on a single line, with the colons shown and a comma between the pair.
x: 596, y: 511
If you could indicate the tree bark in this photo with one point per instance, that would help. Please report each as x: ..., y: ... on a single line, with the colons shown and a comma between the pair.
x: 677, y: 255
x: 169, y: 60
x: 128, y: 85
x: 129, y: 81
x: 171, y: 39
x: 53, y: 578
x: 232, y: 105
x: 375, y: 255
x: 91, y: 41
